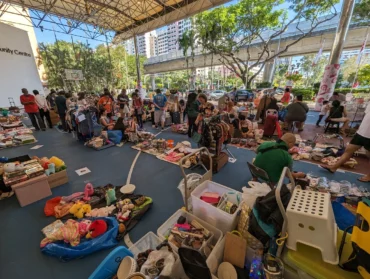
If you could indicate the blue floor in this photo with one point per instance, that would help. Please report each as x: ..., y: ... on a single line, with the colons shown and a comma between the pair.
x: 20, y: 256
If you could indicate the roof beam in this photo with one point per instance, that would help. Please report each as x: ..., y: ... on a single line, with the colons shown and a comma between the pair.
x: 111, y: 8
x: 46, y: 12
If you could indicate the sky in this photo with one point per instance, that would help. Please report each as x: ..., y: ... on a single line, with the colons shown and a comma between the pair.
x: 49, y: 37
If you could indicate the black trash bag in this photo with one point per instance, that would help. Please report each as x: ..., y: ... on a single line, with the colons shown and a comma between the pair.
x: 194, y: 264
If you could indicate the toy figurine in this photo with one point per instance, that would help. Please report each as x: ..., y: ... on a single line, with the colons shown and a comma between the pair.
x: 110, y: 196
x: 50, y: 169
x: 89, y: 191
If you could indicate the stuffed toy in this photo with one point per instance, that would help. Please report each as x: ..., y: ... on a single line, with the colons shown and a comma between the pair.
x: 110, y: 196
x: 50, y: 169
x: 69, y: 233
x: 83, y: 227
x: 140, y: 201
x: 97, y: 228
x: 86, y: 208
x: 101, y: 212
x: 59, y: 164
x: 121, y: 217
x: 121, y: 228
x: 12, y: 167
x: 89, y: 191
x: 76, y: 207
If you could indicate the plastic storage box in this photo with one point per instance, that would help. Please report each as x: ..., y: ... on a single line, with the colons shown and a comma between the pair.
x: 211, y: 214
x: 164, y: 230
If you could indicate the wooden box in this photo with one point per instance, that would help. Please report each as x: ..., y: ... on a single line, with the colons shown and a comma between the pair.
x: 57, y: 179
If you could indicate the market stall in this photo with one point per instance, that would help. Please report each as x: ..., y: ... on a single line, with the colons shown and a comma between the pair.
x: 13, y: 137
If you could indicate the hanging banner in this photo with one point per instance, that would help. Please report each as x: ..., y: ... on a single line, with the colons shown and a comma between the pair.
x: 74, y: 74
x: 327, y: 85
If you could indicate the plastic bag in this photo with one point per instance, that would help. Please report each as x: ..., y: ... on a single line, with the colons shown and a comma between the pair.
x: 345, y: 187
x: 251, y: 194
x: 115, y: 136
x: 66, y: 252
x: 193, y: 180
x: 323, y: 183
x: 154, y: 257
x: 334, y: 186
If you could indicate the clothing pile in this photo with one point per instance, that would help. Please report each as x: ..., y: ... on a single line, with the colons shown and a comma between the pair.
x: 15, y: 137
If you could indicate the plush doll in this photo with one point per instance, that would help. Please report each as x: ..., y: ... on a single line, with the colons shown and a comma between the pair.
x: 11, y: 167
x: 83, y: 227
x: 101, y: 212
x: 97, y: 228
x: 110, y: 196
x: 50, y: 169
x: 76, y: 207
x: 89, y: 191
x: 86, y: 208
x: 121, y: 217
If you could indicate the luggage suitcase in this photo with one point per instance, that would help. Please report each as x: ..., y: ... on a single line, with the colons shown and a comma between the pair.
x: 176, y: 118
x: 168, y: 121
x: 217, y: 161
x: 270, y: 125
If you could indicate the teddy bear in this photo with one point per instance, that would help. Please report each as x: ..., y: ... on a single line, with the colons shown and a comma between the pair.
x: 125, y: 205
x: 83, y: 227
x: 86, y: 208
x: 89, y: 191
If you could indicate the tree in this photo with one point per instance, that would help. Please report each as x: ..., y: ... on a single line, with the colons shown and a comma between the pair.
x: 312, y: 73
x: 280, y: 74
x: 186, y: 43
x: 244, y: 24
x: 349, y: 66
x: 99, y: 68
x: 361, y: 12
x: 363, y: 76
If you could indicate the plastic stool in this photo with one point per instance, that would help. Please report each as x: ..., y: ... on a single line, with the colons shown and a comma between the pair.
x: 311, y: 222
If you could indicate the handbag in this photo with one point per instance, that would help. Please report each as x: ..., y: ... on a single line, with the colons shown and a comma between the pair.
x: 196, y: 137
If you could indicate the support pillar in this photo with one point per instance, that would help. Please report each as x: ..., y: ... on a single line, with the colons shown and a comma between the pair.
x: 268, y: 72
x: 330, y: 76
x: 193, y: 76
x: 137, y: 60
x: 152, y: 81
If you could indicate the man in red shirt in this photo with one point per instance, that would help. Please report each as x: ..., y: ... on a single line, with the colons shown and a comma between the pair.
x: 32, y: 109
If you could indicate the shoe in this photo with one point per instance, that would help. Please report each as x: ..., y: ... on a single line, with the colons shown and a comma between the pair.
x: 153, y: 126
x: 318, y: 126
x: 65, y: 132
x: 162, y: 128
x: 43, y: 130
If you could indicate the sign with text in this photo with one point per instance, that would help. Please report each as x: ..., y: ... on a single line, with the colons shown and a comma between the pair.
x: 74, y: 74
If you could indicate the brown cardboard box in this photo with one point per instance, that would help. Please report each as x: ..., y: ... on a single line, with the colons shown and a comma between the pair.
x: 58, y: 179
x: 32, y: 190
x: 54, y: 117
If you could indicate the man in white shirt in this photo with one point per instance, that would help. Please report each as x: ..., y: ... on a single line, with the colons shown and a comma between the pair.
x: 43, y: 107
x: 360, y: 139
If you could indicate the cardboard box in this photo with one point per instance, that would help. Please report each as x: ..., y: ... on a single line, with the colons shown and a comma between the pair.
x: 32, y: 190
x: 58, y: 178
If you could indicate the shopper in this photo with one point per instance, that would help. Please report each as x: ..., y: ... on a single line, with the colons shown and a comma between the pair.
x: 286, y: 97
x: 192, y: 110
x: 81, y: 102
x: 43, y: 108
x: 246, y: 127
x: 273, y: 157
x: 70, y: 101
x: 137, y: 104
x: 30, y: 106
x: 338, y: 113
x: 232, y: 94
x: 51, y: 98
x: 122, y: 101
x: 324, y: 110
x: 106, y: 102
x: 296, y: 112
x: 182, y: 111
x: 361, y: 139
x: 60, y: 102
x: 160, y: 102
x: 231, y: 109
x: 105, y: 120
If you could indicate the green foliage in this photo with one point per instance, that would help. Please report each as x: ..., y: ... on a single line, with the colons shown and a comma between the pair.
x: 186, y: 43
x: 227, y: 30
x: 363, y: 76
x: 361, y: 12
x: 306, y: 93
x: 294, y: 77
x: 280, y: 72
x: 348, y: 68
x: 312, y: 73
x: 99, y: 68
x: 264, y: 84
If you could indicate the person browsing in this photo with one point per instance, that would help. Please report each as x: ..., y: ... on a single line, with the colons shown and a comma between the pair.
x: 30, y: 106
x: 159, y: 101
x: 43, y: 107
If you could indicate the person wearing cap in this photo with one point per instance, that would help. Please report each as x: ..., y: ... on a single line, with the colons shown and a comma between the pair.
x: 273, y: 157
